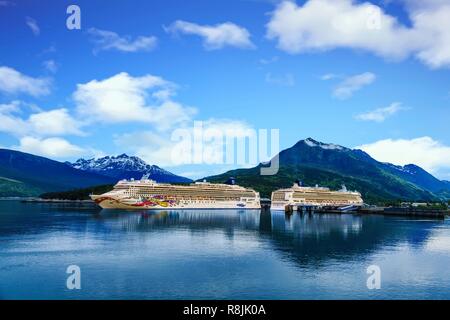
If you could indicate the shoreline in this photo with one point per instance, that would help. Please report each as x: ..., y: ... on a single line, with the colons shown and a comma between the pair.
x: 388, y: 211
x: 41, y: 200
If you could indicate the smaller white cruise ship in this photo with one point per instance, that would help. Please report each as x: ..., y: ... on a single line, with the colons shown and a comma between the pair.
x: 148, y: 194
x: 315, y: 197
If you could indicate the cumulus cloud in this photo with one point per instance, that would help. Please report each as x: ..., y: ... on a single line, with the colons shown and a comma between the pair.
x: 203, y: 142
x: 123, y: 98
x: 109, y: 40
x: 381, y: 114
x: 33, y: 25
x: 350, y: 85
x: 425, y: 152
x: 9, y: 121
x: 216, y: 36
x: 433, y: 26
x: 138, y: 143
x: 322, y: 25
x: 49, y: 147
x: 42, y: 123
x: 12, y: 107
x: 54, y: 122
x: 14, y: 82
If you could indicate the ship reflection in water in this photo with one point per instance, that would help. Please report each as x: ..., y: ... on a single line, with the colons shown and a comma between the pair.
x: 216, y: 254
x: 304, y: 238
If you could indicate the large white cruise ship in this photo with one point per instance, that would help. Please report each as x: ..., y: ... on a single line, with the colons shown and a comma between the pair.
x: 314, y: 196
x: 148, y: 194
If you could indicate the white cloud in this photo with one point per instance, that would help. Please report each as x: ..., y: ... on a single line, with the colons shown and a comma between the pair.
x: 37, y: 133
x: 50, y: 65
x: 152, y: 147
x: 50, y: 147
x: 329, y: 76
x: 287, y: 79
x: 109, y: 40
x: 12, y: 107
x: 123, y: 98
x: 32, y: 24
x: 169, y: 149
x: 217, y: 36
x: 425, y: 152
x: 54, y: 122
x: 14, y: 82
x: 381, y: 114
x: 433, y: 26
x: 322, y: 25
x: 42, y: 123
x: 9, y: 122
x: 350, y: 85
x: 170, y: 113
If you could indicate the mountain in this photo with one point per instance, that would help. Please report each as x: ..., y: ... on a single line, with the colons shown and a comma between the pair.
x: 126, y: 167
x: 23, y: 174
x: 418, y: 176
x: 331, y: 165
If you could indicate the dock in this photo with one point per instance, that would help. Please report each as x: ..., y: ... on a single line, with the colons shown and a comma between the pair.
x: 312, y: 208
x: 416, y: 212
x: 389, y: 211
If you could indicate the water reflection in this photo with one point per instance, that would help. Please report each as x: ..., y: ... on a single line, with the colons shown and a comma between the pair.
x: 217, y: 253
x: 316, y: 224
x: 302, y: 238
x: 187, y: 219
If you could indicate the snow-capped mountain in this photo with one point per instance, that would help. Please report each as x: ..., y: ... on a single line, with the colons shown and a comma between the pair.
x: 411, y: 173
x: 417, y: 175
x: 126, y: 167
x: 332, y: 165
x: 327, y: 146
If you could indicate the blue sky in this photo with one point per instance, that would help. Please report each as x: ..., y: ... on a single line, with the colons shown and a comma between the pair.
x: 337, y: 71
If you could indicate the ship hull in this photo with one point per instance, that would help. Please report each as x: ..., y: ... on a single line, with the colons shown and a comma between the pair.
x: 282, y: 207
x: 134, y: 204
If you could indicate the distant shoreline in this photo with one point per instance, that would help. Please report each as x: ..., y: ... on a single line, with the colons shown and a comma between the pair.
x: 15, y: 198
x: 41, y: 200
x: 48, y: 201
x: 389, y: 211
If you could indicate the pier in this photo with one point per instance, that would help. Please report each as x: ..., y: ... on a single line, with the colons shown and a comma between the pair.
x: 390, y: 211
x: 416, y: 212
x: 289, y: 209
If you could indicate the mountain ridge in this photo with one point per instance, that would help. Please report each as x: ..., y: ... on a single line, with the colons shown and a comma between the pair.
x: 331, y: 165
x: 25, y: 174
x: 126, y: 167
x: 314, y: 162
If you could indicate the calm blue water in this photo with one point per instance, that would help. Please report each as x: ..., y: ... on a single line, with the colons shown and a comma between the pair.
x: 216, y: 254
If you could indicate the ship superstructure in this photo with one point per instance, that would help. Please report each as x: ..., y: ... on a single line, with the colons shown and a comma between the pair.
x: 316, y: 196
x: 148, y: 194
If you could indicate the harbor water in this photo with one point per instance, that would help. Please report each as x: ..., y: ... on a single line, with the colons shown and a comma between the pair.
x: 218, y: 254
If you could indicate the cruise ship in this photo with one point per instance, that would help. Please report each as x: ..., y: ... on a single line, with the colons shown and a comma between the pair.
x: 316, y: 196
x: 148, y: 194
